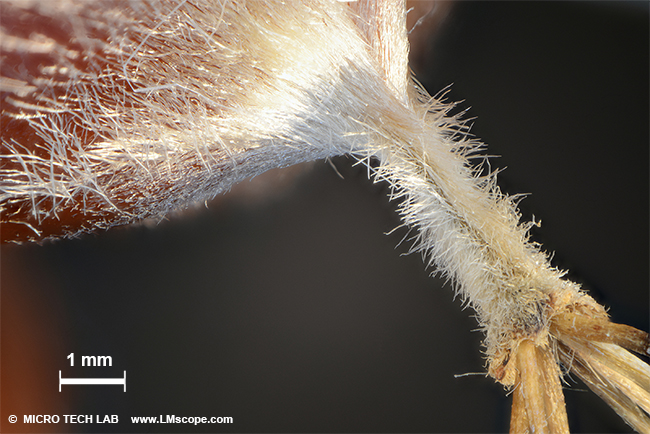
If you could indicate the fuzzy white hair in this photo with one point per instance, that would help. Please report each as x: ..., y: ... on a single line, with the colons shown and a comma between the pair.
x: 125, y: 111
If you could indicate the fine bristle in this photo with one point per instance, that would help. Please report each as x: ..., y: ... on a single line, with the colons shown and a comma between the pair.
x: 114, y: 112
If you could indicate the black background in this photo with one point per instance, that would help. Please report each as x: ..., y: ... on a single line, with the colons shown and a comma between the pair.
x: 295, y: 312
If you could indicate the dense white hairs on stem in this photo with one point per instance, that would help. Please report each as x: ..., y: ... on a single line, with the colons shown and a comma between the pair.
x: 134, y: 109
x: 176, y: 101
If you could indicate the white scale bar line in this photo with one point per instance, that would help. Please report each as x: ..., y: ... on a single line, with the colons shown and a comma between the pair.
x: 93, y: 381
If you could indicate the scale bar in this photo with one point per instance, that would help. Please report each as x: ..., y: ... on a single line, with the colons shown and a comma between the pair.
x: 92, y: 381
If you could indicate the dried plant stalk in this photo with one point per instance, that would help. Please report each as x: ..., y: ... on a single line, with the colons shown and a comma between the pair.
x: 115, y: 112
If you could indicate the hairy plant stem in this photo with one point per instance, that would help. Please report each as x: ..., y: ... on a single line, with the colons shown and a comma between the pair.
x: 117, y: 112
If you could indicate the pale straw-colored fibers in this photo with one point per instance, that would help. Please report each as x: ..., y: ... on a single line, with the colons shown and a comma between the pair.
x: 116, y: 112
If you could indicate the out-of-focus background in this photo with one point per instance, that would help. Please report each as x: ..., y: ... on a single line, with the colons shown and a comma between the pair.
x: 284, y: 305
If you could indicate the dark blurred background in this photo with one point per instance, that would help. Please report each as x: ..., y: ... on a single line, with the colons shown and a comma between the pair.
x: 290, y: 310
